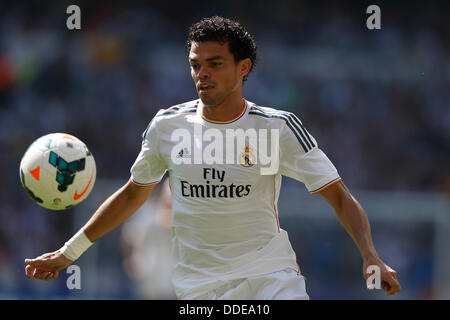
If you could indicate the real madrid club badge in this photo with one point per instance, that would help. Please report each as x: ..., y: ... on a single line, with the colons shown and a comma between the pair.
x: 247, y: 158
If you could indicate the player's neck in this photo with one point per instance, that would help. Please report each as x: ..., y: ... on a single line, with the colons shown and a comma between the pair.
x: 228, y: 110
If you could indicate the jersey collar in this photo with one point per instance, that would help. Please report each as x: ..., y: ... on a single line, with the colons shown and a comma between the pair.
x: 240, y: 115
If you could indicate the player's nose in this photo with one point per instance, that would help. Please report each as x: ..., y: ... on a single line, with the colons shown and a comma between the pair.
x: 203, y: 73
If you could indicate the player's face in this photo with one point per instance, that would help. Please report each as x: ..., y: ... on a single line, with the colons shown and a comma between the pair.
x: 215, y: 73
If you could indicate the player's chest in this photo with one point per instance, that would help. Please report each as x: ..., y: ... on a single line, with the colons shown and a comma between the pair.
x: 226, y: 156
x: 187, y: 167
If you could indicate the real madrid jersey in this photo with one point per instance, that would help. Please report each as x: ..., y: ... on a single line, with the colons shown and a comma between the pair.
x: 225, y: 179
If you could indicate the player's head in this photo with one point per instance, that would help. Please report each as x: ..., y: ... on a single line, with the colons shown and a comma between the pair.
x: 221, y: 53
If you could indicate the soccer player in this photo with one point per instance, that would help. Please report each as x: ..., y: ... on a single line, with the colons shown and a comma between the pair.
x: 227, y: 242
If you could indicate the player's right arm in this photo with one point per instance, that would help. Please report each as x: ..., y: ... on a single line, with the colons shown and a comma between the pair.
x: 148, y: 169
x: 114, y: 211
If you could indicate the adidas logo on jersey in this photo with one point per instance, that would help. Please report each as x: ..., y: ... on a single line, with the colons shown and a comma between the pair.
x: 184, y: 153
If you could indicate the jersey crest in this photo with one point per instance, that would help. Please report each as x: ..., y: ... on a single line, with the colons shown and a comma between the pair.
x: 247, y: 158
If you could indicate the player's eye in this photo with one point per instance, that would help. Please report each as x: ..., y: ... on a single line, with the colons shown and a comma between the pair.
x: 194, y: 66
x: 216, y: 64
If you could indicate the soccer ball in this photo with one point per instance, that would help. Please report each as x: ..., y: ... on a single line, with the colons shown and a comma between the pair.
x: 58, y: 171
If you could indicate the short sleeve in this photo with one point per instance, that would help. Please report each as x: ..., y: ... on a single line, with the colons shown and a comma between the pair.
x: 149, y: 167
x: 301, y: 158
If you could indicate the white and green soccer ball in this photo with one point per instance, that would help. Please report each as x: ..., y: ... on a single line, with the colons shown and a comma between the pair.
x: 58, y: 171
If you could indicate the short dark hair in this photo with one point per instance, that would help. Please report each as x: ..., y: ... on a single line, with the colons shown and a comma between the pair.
x: 241, y: 43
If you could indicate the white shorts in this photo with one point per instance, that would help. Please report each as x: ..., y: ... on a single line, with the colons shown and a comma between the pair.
x: 286, y: 284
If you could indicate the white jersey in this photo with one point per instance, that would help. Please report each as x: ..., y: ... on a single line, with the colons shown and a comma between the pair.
x: 225, y: 217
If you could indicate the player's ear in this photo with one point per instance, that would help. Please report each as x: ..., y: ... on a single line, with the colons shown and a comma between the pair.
x: 245, y: 66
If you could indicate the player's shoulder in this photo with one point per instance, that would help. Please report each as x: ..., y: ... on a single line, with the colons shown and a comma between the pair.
x: 271, y: 113
x: 178, y: 110
x: 288, y: 120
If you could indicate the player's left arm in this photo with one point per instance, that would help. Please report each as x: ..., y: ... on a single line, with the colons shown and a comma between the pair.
x: 353, y: 218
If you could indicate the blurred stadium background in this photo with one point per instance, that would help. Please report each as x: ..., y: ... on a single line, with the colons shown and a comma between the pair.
x: 376, y: 101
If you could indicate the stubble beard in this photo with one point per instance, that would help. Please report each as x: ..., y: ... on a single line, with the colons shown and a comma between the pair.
x: 211, y: 102
x: 214, y: 102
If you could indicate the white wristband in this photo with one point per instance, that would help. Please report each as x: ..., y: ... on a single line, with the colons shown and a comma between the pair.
x: 75, y: 247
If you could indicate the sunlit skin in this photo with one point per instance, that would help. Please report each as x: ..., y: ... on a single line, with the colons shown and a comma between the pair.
x: 213, y: 64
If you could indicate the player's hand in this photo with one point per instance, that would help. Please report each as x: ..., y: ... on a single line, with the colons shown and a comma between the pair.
x: 389, y: 282
x: 46, y: 267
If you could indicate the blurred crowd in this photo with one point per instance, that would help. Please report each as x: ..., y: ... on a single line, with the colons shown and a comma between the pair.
x: 376, y: 101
